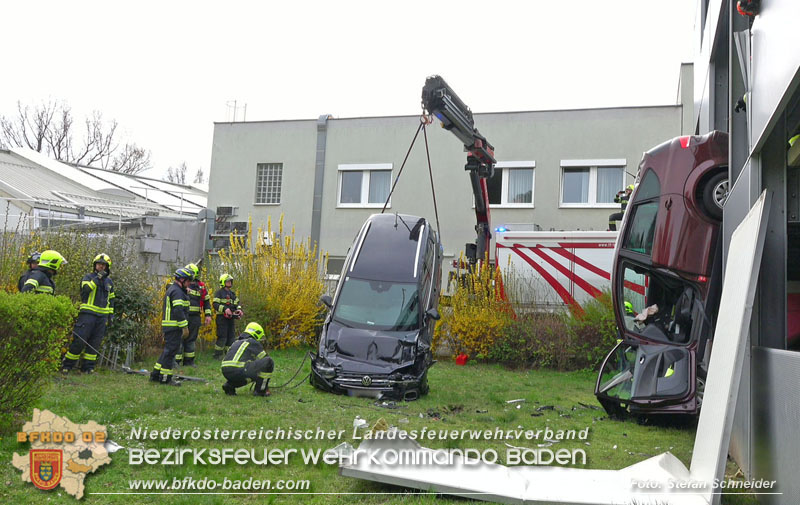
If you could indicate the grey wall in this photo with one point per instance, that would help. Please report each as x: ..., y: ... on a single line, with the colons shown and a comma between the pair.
x: 166, y: 243
x: 546, y: 137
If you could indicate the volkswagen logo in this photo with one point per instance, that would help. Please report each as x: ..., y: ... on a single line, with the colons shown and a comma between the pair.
x: 366, y: 380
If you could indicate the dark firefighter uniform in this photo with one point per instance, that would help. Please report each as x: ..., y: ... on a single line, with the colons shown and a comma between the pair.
x: 225, y: 298
x: 40, y: 279
x: 621, y: 198
x: 247, y: 361
x: 199, y: 307
x: 32, y: 261
x: 173, y: 324
x: 96, y: 311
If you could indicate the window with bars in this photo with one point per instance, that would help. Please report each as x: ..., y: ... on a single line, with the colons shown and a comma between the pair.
x: 269, y: 177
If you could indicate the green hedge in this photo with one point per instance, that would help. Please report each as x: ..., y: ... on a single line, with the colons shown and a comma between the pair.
x: 574, y: 340
x: 33, y: 331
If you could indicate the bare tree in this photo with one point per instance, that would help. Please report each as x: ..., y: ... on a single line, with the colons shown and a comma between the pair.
x: 199, y: 176
x: 132, y: 159
x: 177, y: 175
x: 50, y: 128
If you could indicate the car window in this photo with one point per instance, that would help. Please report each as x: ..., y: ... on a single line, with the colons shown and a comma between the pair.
x: 642, y: 227
x: 649, y: 188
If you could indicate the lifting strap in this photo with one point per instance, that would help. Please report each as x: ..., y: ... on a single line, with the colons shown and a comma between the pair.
x: 424, y: 121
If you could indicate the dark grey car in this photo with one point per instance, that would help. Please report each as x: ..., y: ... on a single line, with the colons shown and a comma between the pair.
x: 376, y: 340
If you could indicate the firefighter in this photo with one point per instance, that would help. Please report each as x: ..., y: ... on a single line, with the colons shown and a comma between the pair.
x: 226, y: 305
x: 96, y: 312
x: 40, y: 278
x: 174, y: 325
x: 622, y: 199
x: 199, y: 305
x: 33, y: 262
x: 247, y: 361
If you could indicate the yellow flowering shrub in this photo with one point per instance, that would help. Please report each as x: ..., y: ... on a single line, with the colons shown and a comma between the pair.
x: 477, y: 313
x: 279, y: 283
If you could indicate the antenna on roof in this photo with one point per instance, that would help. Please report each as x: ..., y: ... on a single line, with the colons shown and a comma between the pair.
x: 234, y: 108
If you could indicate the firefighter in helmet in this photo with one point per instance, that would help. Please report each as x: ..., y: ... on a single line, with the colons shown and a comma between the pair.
x: 199, y: 308
x: 174, y: 325
x: 32, y: 262
x: 247, y: 361
x: 40, y: 278
x: 96, y: 312
x: 622, y: 199
x: 227, y: 308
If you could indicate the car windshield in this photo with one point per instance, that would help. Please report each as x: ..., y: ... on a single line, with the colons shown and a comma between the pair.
x: 378, y: 305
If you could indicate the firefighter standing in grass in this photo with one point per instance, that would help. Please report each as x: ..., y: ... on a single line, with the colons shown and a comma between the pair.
x: 96, y: 312
x: 226, y: 305
x: 199, y: 306
x: 40, y: 278
x: 622, y: 199
x: 33, y: 262
x: 247, y: 361
x: 174, y: 325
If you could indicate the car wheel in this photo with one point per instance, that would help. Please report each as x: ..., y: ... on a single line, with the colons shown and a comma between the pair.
x: 715, y: 192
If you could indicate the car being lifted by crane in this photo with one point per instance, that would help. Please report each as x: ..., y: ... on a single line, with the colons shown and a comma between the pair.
x: 376, y: 338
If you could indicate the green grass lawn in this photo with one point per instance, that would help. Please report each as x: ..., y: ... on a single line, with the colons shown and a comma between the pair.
x: 461, y: 397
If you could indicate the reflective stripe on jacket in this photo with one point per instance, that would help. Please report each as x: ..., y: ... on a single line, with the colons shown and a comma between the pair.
x: 97, y: 294
x: 245, y: 349
x: 176, y: 308
x: 199, y: 299
x: 225, y: 299
x: 39, y: 282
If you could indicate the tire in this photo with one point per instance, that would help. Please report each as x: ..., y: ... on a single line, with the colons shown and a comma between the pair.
x: 715, y: 192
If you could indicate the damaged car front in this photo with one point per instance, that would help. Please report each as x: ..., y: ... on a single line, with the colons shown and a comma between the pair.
x: 376, y: 340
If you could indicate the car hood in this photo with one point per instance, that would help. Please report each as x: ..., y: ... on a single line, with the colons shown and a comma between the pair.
x: 368, y: 351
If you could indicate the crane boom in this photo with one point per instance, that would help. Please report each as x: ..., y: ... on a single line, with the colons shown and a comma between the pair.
x: 439, y: 99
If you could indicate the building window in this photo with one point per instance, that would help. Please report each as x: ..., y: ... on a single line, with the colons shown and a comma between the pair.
x: 364, y: 185
x: 268, y: 183
x: 512, y: 184
x: 591, y: 183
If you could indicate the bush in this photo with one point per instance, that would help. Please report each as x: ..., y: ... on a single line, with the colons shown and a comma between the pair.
x: 477, y: 314
x: 578, y: 339
x: 34, y: 328
x: 279, y: 284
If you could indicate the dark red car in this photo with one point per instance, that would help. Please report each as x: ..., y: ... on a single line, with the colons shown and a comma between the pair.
x: 666, y: 279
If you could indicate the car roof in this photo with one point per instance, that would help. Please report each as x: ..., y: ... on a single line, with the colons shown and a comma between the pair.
x: 388, y: 248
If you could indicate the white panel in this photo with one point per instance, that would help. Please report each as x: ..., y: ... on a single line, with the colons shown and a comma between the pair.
x: 730, y: 337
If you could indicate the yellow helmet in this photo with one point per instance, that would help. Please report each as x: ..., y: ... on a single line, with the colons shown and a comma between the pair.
x: 193, y: 268
x: 223, y: 278
x: 255, y: 330
x: 102, y: 258
x: 52, y: 260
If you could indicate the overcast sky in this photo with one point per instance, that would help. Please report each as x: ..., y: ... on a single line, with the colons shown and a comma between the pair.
x: 166, y: 71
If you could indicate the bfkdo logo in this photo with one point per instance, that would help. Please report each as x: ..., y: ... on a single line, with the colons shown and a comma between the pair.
x: 46, y: 467
x: 62, y: 453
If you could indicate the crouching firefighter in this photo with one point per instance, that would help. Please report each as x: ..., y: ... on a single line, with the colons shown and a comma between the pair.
x: 97, y: 310
x: 226, y: 305
x: 174, y: 325
x: 199, y: 307
x: 247, y: 361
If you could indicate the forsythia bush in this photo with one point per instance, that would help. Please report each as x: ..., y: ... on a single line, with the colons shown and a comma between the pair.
x: 30, y: 350
x: 278, y: 283
x: 478, y: 313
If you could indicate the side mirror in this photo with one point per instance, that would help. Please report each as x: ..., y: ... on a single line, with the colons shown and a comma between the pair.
x: 327, y: 301
x: 433, y: 314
